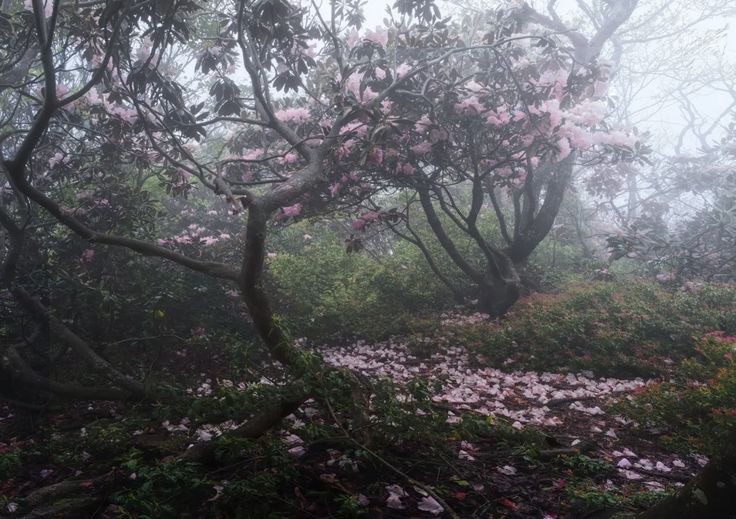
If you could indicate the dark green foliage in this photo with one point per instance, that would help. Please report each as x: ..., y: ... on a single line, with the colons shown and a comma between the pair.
x: 639, y: 329
x: 697, y: 408
x: 163, y: 491
x: 324, y: 291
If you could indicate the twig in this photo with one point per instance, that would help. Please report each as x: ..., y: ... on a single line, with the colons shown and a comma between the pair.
x: 393, y: 468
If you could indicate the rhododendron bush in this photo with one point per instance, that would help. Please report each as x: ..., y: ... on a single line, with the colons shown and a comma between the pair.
x: 282, y: 112
x: 689, y: 234
x: 166, y: 165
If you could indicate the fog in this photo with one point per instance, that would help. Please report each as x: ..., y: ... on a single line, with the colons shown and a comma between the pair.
x: 354, y: 258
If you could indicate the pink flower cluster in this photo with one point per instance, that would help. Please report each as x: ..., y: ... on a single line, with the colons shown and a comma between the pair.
x: 297, y: 115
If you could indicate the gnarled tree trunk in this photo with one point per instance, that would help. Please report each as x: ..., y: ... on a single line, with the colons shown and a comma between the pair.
x: 500, y: 287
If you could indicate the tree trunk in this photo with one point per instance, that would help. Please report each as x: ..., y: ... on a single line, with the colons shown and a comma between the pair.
x: 500, y: 288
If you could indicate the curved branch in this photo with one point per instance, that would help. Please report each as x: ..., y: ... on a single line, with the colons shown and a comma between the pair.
x: 443, y: 238
x: 15, y: 171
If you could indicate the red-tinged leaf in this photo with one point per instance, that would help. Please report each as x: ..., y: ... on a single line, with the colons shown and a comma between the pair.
x: 508, y: 503
x: 460, y: 496
x: 87, y: 484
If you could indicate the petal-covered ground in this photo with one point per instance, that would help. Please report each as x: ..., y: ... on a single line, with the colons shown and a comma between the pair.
x: 587, y: 449
x: 571, y: 407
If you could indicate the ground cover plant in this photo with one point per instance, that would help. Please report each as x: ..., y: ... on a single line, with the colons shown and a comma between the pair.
x: 259, y: 259
x: 445, y: 432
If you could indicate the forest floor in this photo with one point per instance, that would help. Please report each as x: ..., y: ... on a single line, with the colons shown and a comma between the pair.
x: 479, y: 442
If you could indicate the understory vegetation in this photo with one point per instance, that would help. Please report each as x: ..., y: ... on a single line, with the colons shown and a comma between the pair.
x: 319, y: 463
x: 322, y: 259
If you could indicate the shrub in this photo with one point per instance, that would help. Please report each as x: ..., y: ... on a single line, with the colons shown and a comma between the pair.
x: 639, y: 329
x: 324, y: 291
x: 698, y: 406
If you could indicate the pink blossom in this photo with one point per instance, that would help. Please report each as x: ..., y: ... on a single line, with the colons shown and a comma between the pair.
x: 376, y: 156
x: 474, y: 86
x: 422, y: 124
x: 58, y: 158
x: 552, y: 107
x: 395, y: 493
x: 579, y: 137
x: 666, y: 277
x: 430, y: 504
x: 527, y: 140
x: 588, y: 113
x: 378, y: 36
x: 61, y: 90
x: 563, y: 145
x: 369, y: 95
x: 297, y: 451
x: 402, y: 70
x: 470, y: 105
x: 292, y: 210
x: 508, y: 470
x: 464, y: 455
x: 366, y: 218
x: 553, y: 77
x: 92, y: 97
x: 357, y: 128
x: 352, y: 85
x: 87, y: 256
x: 615, y: 138
x: 623, y: 464
x: 335, y: 188
x: 352, y: 39
x: 128, y: 115
x: 662, y: 467
x: 493, y: 120
x: 297, y: 115
x: 421, y: 148
x: 630, y: 475
x: 290, y: 158
x: 408, y: 169
x: 253, y: 155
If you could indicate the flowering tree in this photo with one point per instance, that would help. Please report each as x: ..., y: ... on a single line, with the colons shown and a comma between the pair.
x: 302, y: 113
x: 494, y: 132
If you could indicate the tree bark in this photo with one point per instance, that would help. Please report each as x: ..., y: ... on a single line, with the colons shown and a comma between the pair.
x: 500, y: 287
